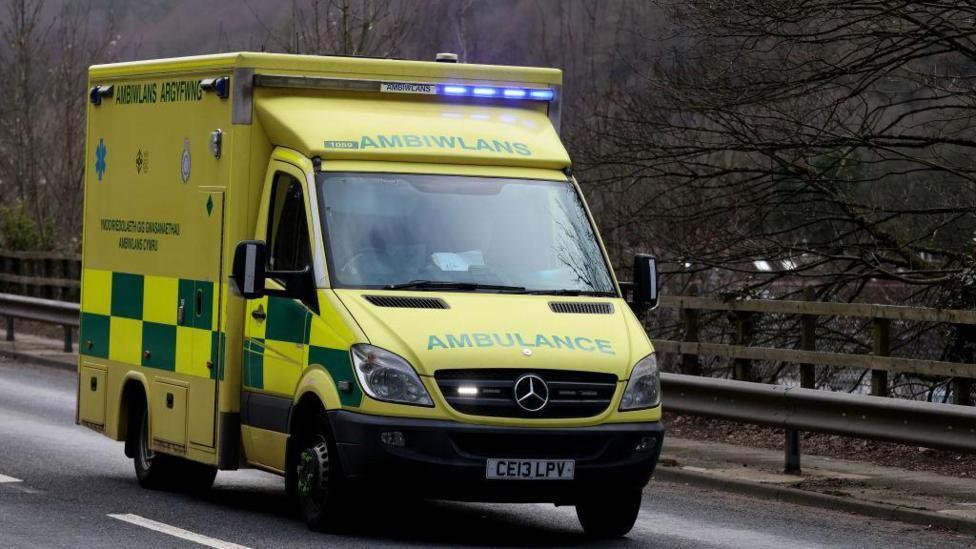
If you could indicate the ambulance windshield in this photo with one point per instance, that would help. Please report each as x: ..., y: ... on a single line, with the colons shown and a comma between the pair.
x: 459, y: 233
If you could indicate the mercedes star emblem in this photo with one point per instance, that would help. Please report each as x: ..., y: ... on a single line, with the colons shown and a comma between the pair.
x: 531, y: 393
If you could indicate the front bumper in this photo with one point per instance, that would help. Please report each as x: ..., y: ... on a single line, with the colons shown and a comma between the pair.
x: 447, y: 459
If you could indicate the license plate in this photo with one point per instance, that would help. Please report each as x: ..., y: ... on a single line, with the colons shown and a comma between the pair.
x: 531, y: 469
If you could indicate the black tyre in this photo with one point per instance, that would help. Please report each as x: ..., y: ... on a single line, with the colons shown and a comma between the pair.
x: 319, y: 487
x: 154, y: 471
x: 193, y: 476
x: 609, y: 515
x: 157, y: 471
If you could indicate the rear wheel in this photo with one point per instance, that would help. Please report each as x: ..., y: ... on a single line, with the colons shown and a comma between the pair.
x: 318, y: 483
x: 610, y: 515
x: 156, y: 471
x: 194, y: 476
x: 153, y: 470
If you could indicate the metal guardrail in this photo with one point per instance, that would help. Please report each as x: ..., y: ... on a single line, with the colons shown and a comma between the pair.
x: 35, y: 309
x: 944, y: 426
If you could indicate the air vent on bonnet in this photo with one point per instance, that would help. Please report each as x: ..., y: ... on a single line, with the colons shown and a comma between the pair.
x: 405, y: 302
x: 581, y: 308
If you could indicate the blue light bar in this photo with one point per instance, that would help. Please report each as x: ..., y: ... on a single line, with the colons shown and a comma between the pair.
x: 543, y: 95
x: 538, y: 94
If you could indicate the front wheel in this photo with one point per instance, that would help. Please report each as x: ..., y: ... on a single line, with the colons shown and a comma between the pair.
x: 318, y: 482
x: 609, y: 515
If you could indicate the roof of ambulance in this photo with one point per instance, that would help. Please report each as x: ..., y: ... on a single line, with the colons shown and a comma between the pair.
x: 332, y: 66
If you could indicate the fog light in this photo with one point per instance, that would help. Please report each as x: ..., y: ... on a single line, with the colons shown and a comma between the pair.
x: 393, y: 438
x: 645, y: 444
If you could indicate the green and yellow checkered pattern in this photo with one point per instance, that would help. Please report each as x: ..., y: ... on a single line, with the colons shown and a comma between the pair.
x: 290, y: 340
x: 135, y: 319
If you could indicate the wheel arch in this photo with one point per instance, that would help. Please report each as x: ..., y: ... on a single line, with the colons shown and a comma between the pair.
x: 302, y: 421
x: 318, y: 382
x: 134, y: 386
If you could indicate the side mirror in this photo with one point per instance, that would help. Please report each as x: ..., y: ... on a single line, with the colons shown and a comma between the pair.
x: 248, y: 274
x: 645, y: 283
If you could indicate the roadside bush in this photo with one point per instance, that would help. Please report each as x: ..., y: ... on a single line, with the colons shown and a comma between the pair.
x: 18, y: 232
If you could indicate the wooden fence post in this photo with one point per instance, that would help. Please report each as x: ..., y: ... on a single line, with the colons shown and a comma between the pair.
x: 68, y: 344
x: 47, y: 271
x: 15, y: 269
x: 808, y: 342
x: 4, y: 268
x: 808, y: 380
x: 882, y: 347
x: 689, y: 363
x: 962, y: 391
x: 744, y: 330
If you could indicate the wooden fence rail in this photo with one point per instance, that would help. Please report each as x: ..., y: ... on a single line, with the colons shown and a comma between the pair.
x: 49, y: 275
x: 53, y: 275
x: 879, y: 363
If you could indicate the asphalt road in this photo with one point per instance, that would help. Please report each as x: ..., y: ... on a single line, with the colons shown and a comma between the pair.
x: 60, y: 486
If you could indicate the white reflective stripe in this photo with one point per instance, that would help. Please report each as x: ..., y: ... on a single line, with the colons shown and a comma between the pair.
x: 653, y: 281
x: 5, y: 478
x: 249, y: 269
x: 177, y: 532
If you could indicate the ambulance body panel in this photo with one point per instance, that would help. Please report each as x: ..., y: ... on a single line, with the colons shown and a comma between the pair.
x: 353, y: 181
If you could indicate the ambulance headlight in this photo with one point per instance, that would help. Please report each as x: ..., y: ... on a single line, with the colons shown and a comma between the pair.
x: 388, y: 377
x: 644, y: 387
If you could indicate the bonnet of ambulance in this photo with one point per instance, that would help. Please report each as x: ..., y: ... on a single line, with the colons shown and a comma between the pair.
x: 462, y: 330
x: 444, y: 189
x: 471, y: 349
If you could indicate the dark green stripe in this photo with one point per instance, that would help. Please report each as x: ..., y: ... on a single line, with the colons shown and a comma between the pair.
x: 160, y: 341
x: 94, y: 329
x: 217, y: 342
x: 196, y: 296
x: 204, y: 319
x: 127, y: 292
x: 288, y: 320
x: 184, y: 297
x: 254, y: 363
x: 337, y: 363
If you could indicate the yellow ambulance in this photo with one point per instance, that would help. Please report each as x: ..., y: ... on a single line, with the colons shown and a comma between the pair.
x: 369, y: 276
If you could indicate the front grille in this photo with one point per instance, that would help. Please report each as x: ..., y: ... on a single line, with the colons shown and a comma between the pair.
x: 581, y: 307
x: 571, y: 394
x: 407, y: 302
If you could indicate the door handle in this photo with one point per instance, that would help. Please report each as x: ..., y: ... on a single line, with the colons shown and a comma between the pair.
x: 258, y: 314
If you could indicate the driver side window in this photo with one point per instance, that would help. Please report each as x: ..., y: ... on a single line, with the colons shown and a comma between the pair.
x: 287, y: 235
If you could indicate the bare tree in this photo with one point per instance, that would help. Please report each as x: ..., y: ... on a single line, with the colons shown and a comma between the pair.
x: 761, y: 147
x: 344, y: 27
x: 75, y: 43
x: 828, y: 139
x: 44, y: 62
x: 22, y: 34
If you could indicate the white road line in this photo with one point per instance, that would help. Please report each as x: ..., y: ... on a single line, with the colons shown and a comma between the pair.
x: 176, y: 532
x: 5, y: 479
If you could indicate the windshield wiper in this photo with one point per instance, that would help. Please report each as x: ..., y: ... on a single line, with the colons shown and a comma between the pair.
x: 570, y: 292
x: 447, y: 285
